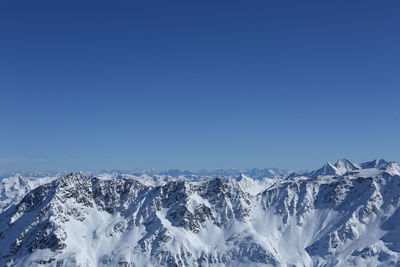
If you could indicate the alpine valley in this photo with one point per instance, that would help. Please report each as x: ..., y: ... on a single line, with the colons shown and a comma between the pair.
x: 343, y: 214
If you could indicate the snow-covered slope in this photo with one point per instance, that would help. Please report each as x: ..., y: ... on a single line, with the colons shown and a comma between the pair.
x: 343, y: 214
x: 14, y: 188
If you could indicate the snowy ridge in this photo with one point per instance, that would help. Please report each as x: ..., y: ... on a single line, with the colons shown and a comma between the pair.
x: 14, y: 188
x: 343, y: 214
x: 174, y: 173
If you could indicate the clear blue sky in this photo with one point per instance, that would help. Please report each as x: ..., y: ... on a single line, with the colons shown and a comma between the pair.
x: 197, y: 84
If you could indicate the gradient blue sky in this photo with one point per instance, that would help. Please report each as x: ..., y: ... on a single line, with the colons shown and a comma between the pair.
x: 197, y: 84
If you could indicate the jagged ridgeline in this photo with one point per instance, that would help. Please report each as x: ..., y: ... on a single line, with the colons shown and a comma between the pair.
x: 342, y: 214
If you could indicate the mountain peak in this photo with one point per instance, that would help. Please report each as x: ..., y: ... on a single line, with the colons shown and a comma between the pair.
x: 326, y: 169
x: 73, y: 177
x: 341, y: 167
x: 344, y: 165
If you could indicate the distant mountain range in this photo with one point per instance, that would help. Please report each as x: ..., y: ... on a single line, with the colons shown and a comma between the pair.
x: 254, y: 172
x: 343, y: 214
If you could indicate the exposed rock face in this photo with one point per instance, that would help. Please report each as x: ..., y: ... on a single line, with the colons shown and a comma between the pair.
x: 342, y: 214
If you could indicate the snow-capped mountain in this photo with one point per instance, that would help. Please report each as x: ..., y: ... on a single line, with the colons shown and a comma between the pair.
x: 14, y: 188
x: 343, y: 214
x: 167, y: 175
x: 339, y: 168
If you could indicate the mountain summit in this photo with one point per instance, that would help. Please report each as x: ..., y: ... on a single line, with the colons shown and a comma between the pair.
x: 344, y: 166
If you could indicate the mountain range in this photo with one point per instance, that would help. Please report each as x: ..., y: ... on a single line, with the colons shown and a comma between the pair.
x: 343, y: 214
